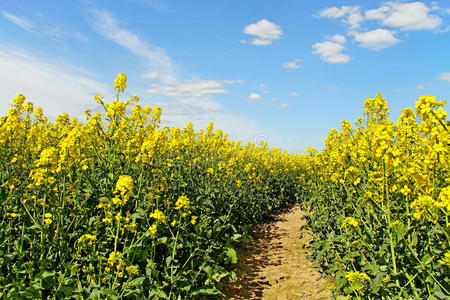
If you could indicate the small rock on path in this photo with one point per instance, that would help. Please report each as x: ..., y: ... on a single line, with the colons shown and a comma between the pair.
x: 274, y: 264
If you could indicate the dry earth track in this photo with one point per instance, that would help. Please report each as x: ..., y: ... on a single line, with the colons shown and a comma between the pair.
x: 274, y: 264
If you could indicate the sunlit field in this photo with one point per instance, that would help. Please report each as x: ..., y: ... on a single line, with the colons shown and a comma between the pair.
x: 117, y: 206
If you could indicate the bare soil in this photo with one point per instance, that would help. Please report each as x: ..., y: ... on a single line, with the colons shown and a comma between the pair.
x: 274, y: 264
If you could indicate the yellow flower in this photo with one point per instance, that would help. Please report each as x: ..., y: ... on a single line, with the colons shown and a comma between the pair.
x: 132, y: 270
x: 158, y: 215
x: 349, y: 221
x: 153, y: 229
x: 51, y: 180
x: 395, y: 223
x: 118, y: 217
x: 356, y: 276
x: 87, y: 237
x: 113, y: 257
x: 48, y: 215
x: 182, y: 203
x: 444, y: 198
x: 120, y: 83
x: 194, y: 220
x: 446, y: 259
x: 405, y: 190
x: 19, y: 99
x: 48, y: 158
x: 98, y: 98
x: 107, y: 220
x: 124, y: 187
x: 424, y: 204
x: 48, y: 221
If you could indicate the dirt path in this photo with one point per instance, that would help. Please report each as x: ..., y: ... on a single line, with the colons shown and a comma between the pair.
x: 274, y: 265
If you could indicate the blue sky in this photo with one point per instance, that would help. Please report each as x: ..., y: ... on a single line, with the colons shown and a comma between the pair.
x: 285, y: 72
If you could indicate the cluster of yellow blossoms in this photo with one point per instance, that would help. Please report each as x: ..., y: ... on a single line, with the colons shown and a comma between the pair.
x: 391, y: 180
x: 116, y: 203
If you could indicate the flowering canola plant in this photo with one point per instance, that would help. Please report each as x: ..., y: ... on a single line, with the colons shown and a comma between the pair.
x: 117, y: 206
x: 379, y: 196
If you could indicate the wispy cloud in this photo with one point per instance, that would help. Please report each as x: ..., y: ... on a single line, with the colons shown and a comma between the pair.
x: 331, y: 50
x: 43, y: 27
x: 295, y: 64
x: 154, y: 75
x: 191, y: 89
x: 56, y: 87
x: 423, y: 86
x: 265, y: 32
x: 51, y: 30
x: 283, y: 106
x: 444, y: 76
x: 19, y: 21
x: 293, y: 94
x: 156, y: 57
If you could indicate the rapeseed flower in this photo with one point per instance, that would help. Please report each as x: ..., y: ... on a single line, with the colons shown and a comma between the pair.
x: 349, y: 221
x: 158, y: 215
x: 182, y: 203
x: 120, y: 83
x: 356, y: 276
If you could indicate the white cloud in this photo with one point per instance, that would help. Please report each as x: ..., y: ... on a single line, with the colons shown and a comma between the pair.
x: 154, y: 75
x: 56, y: 87
x: 334, y: 12
x: 293, y: 94
x: 422, y: 86
x: 41, y: 27
x: 405, y: 16
x: 254, y: 97
x: 295, y: 64
x: 331, y: 51
x: 283, y: 106
x: 351, y: 15
x: 190, y: 88
x: 265, y: 32
x: 376, y: 39
x: 22, y: 22
x: 155, y: 57
x: 444, y: 76
x: 337, y: 38
x: 376, y: 14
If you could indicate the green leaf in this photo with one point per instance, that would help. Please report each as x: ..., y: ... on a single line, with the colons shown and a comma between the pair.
x: 137, y: 281
x: 45, y: 274
x: 232, y: 255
